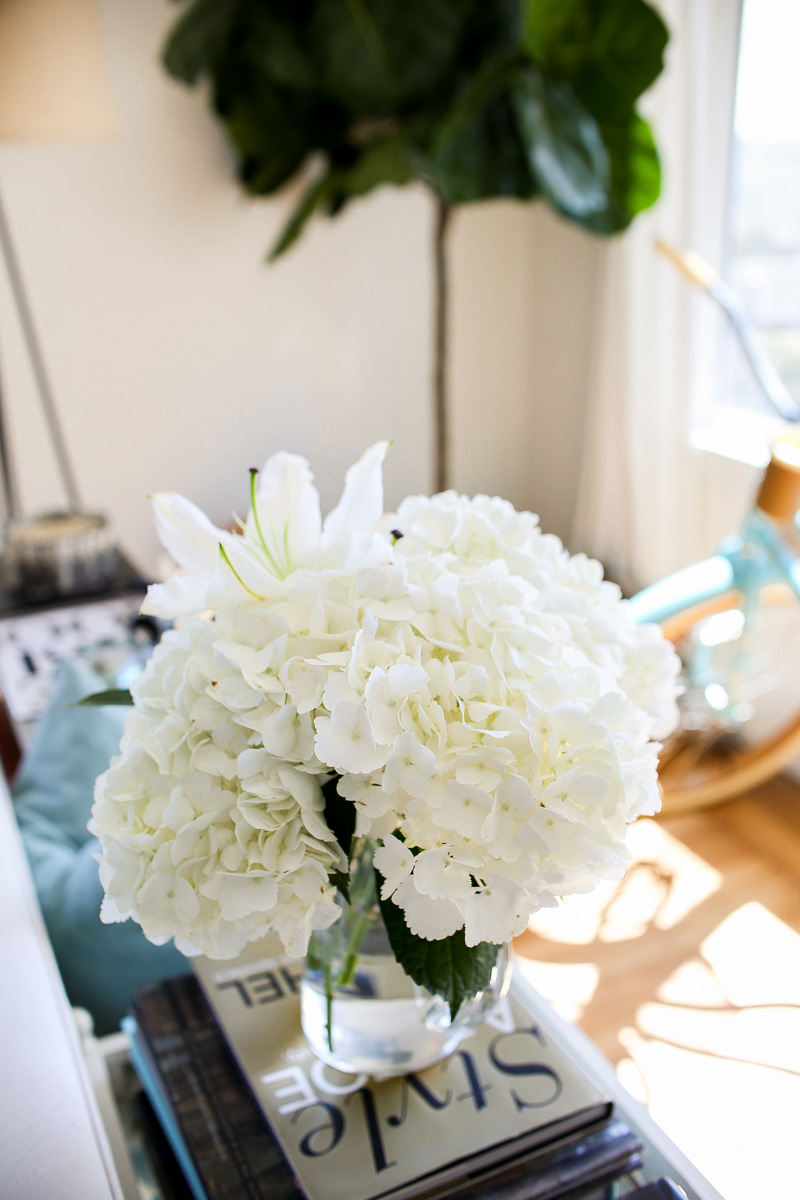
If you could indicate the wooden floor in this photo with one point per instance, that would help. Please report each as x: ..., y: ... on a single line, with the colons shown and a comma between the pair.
x: 687, y: 975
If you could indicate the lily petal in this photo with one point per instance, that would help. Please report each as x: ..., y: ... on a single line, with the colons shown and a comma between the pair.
x: 181, y: 595
x: 361, y: 505
x: 186, y: 532
x: 287, y: 515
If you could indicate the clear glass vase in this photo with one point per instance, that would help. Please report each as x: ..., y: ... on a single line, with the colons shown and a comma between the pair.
x: 361, y: 1012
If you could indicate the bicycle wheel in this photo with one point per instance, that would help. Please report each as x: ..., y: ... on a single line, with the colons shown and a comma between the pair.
x: 717, y: 753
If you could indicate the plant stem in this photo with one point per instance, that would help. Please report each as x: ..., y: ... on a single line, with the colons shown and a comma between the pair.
x: 441, y: 436
x: 350, y: 961
x: 329, y: 999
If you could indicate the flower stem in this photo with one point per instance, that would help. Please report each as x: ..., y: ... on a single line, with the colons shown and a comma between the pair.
x: 329, y: 1001
x: 350, y: 960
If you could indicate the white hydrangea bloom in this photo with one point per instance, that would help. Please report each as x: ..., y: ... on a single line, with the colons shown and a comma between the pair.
x: 485, y: 697
x: 201, y: 833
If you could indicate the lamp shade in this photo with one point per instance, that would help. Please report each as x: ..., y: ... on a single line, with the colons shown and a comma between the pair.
x: 53, y: 82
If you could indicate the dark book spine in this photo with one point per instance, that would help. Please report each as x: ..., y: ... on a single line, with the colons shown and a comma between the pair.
x: 581, y: 1163
x: 657, y: 1189
x: 220, y: 1124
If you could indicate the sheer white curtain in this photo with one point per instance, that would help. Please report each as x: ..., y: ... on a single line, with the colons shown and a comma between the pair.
x: 640, y: 507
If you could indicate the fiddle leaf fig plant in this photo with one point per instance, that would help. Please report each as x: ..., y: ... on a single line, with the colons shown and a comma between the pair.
x: 477, y: 98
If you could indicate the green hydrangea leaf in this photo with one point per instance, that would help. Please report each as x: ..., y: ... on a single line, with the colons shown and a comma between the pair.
x: 116, y: 696
x: 448, y: 968
x: 340, y: 816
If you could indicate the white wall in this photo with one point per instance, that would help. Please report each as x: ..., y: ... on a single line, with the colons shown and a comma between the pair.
x: 179, y: 358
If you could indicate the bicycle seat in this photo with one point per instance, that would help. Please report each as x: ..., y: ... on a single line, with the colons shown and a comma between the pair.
x: 779, y: 494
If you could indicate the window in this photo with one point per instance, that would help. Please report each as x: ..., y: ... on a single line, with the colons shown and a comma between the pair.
x: 762, y: 260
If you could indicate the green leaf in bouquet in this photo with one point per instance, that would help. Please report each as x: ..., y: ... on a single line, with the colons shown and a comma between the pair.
x: 340, y: 816
x: 448, y: 968
x: 565, y: 149
x: 113, y: 696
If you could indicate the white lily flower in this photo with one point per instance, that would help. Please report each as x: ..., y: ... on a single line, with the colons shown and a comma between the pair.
x: 361, y: 506
x: 282, y: 533
x: 193, y: 542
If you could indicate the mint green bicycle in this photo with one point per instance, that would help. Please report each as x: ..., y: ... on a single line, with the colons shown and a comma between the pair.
x: 733, y: 618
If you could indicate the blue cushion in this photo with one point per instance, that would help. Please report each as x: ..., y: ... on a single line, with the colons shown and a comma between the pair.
x: 100, y: 964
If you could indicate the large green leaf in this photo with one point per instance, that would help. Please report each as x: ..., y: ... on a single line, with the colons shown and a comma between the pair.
x: 448, y: 968
x: 566, y: 152
x: 628, y: 41
x: 386, y: 161
x: 479, y: 98
x: 489, y: 28
x: 476, y: 150
x: 198, y: 38
x: 302, y: 213
x: 610, y: 51
x: 377, y: 55
x: 547, y: 26
x: 270, y: 132
x: 276, y: 47
x: 635, y: 175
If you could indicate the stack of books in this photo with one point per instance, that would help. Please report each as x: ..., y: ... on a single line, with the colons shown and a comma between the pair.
x: 250, y: 1112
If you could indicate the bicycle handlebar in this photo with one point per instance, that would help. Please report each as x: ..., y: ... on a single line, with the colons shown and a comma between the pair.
x: 700, y: 273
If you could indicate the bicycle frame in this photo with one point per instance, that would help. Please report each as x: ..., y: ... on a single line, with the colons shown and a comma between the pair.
x: 759, y: 557
x: 718, y: 613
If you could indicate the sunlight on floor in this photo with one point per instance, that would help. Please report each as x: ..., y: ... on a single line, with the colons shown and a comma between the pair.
x: 707, y: 1030
x: 664, y: 881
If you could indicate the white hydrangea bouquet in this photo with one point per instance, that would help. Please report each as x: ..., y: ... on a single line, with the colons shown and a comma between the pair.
x: 448, y: 683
